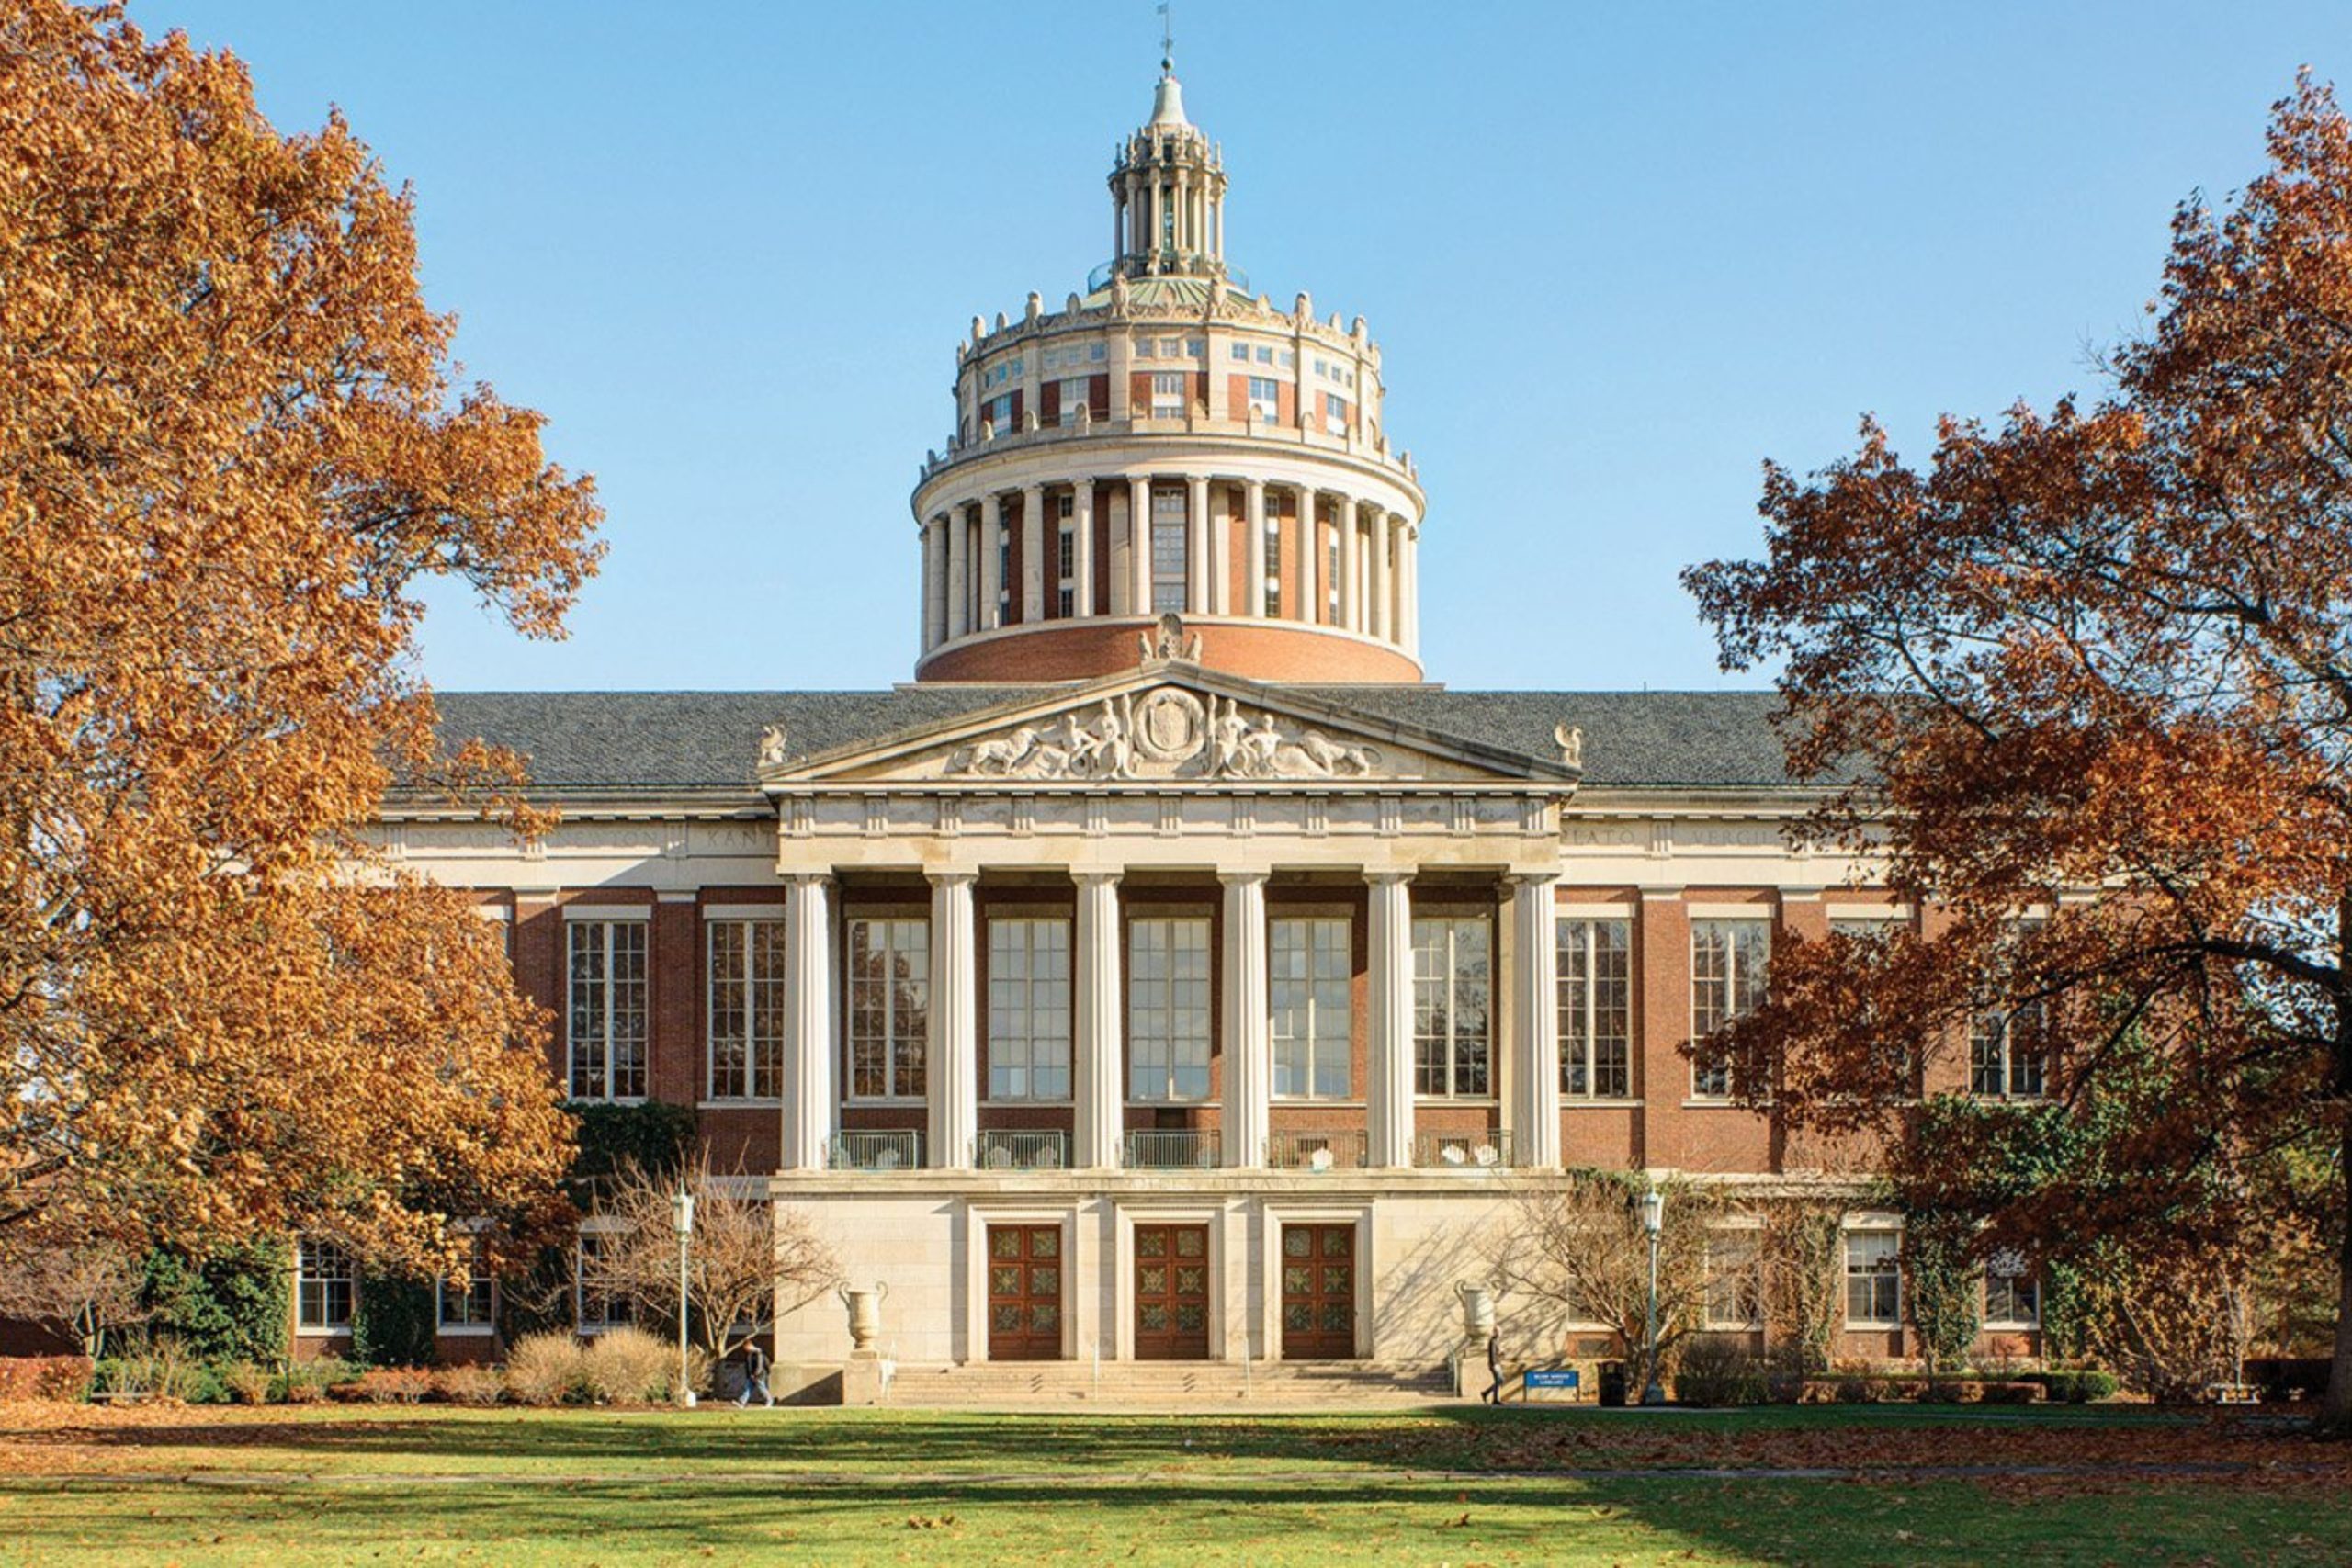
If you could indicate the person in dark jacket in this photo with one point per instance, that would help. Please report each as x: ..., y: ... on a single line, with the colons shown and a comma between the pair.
x: 755, y: 1376
x: 1494, y: 1395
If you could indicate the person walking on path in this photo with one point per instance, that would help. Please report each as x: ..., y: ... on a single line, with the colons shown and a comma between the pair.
x: 1494, y: 1395
x: 755, y: 1376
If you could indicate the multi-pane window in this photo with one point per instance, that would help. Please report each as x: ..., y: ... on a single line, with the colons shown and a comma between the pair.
x: 607, y: 1011
x: 1168, y: 391
x: 1451, y: 986
x: 1308, y: 984
x: 1167, y: 1007
x: 1029, y: 1009
x: 1168, y: 523
x: 2012, y: 1297
x: 890, y: 1007
x: 1066, y: 556
x: 1734, y: 1279
x: 1074, y: 396
x: 746, y: 1007
x: 1265, y: 397
x: 998, y: 410
x: 1728, y: 959
x: 1273, y: 583
x: 1596, y: 1008
x: 1003, y: 576
x: 1241, y: 352
x: 1332, y: 579
x: 464, y: 1303
x: 594, y: 1306
x: 1873, y: 1280
x: 324, y: 1284
x: 1335, y: 413
x: 2007, y: 1058
x: 1873, y: 932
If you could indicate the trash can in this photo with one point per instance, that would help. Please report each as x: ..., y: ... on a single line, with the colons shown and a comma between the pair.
x: 1612, y: 1384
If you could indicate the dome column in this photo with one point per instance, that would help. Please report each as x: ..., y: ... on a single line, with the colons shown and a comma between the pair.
x: 1081, y: 511
x: 1350, y: 615
x: 1032, y: 554
x: 1140, y: 543
x: 1308, y: 572
x: 959, y: 573
x: 1383, y: 585
x: 1253, y: 553
x: 1196, y: 553
x: 991, y: 562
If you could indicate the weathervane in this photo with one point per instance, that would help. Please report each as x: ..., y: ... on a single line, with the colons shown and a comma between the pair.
x: 1166, y: 40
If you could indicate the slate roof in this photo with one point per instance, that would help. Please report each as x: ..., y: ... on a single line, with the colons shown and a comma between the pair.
x: 618, y: 740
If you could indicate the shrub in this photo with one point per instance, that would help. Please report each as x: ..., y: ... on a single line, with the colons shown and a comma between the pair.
x: 545, y: 1368
x: 2012, y: 1393
x: 247, y: 1383
x: 385, y: 1385
x: 628, y: 1366
x: 306, y: 1383
x: 467, y: 1385
x: 2095, y: 1382
x: 1956, y: 1391
x: 65, y: 1379
x: 1715, y: 1372
x: 393, y: 1321
x: 234, y: 1303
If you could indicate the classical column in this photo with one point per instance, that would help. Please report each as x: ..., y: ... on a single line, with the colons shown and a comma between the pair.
x: 951, y: 1071
x: 1140, y: 545
x: 1254, y: 555
x: 1082, y: 516
x: 1535, y: 1021
x: 1249, y: 1025
x: 1097, y: 1075
x: 1032, y: 554
x: 927, y: 540
x: 1307, y: 571
x: 811, y: 1114
x: 1388, y: 1095
x: 991, y: 561
x: 959, y: 574
x: 1409, y: 613
x: 1196, y: 551
x: 1221, y: 559
x: 1350, y: 596
x: 1384, y: 590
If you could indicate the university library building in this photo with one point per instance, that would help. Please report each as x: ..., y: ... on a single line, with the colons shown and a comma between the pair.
x: 1172, y: 969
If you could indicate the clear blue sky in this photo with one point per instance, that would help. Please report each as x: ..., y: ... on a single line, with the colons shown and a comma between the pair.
x: 1616, y: 253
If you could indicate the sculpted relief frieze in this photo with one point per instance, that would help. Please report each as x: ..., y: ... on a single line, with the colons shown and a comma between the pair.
x: 1168, y: 733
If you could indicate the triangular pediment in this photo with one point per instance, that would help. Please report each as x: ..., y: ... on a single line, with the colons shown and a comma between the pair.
x: 1170, y: 722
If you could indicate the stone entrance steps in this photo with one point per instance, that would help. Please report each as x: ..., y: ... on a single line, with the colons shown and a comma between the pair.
x: 1160, y: 1383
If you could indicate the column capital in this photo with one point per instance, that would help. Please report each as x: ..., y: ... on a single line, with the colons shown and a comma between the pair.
x: 1096, y: 878
x: 951, y: 878
x: 1242, y: 878
x: 1383, y: 877
x: 809, y: 878
x: 1532, y: 880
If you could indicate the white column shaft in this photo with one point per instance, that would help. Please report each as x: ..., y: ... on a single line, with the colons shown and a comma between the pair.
x: 811, y: 1116
x: 952, y: 1074
x: 1389, y: 1097
x: 1196, y: 553
x: 1351, y: 600
x: 1249, y: 1025
x: 1139, y: 543
x: 1097, y: 1079
x: 1305, y: 569
x: 1535, y: 1022
x: 991, y: 562
x: 1384, y: 590
x: 1221, y: 556
x: 1253, y: 522
x: 959, y: 574
x: 1082, y: 514
x: 1033, y: 554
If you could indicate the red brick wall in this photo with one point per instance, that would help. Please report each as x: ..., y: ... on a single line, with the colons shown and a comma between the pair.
x: 1080, y: 649
x: 674, y: 956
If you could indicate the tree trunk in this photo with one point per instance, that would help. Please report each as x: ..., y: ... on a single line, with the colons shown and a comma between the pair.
x: 2336, y: 1410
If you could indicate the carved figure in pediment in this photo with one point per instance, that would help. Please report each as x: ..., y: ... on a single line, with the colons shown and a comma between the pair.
x: 1170, y: 725
x: 1066, y: 748
x: 1167, y: 640
x: 1001, y: 756
x: 1227, y: 731
x: 1571, y: 740
x: 771, y: 743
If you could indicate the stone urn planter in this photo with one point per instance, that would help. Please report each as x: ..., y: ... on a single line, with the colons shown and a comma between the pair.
x: 865, y: 1314
x: 1478, y: 1310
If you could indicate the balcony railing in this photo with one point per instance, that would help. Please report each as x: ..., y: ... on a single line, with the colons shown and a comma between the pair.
x: 1462, y: 1151
x: 1171, y: 1149
x: 1024, y: 1149
x: 1316, y: 1151
x: 875, y: 1151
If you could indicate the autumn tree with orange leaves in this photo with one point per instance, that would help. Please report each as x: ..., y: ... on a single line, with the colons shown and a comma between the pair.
x: 230, y: 453
x: 2102, y: 648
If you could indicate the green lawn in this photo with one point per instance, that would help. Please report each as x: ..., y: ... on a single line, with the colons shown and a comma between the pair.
x: 1466, y: 1486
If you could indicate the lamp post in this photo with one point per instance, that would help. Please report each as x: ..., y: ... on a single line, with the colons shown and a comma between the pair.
x: 1654, y: 1222
x: 681, y: 1212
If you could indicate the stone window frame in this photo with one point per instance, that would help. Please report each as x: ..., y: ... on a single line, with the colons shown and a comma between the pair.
x: 1029, y: 982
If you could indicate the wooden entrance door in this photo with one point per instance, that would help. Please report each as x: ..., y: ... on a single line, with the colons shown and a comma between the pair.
x: 1173, y: 1292
x: 1024, y: 1292
x: 1319, y: 1292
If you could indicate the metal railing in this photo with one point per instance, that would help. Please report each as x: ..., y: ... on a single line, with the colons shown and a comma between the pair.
x: 875, y: 1151
x: 1316, y: 1151
x: 1489, y: 1150
x: 1171, y: 1149
x: 1024, y: 1149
